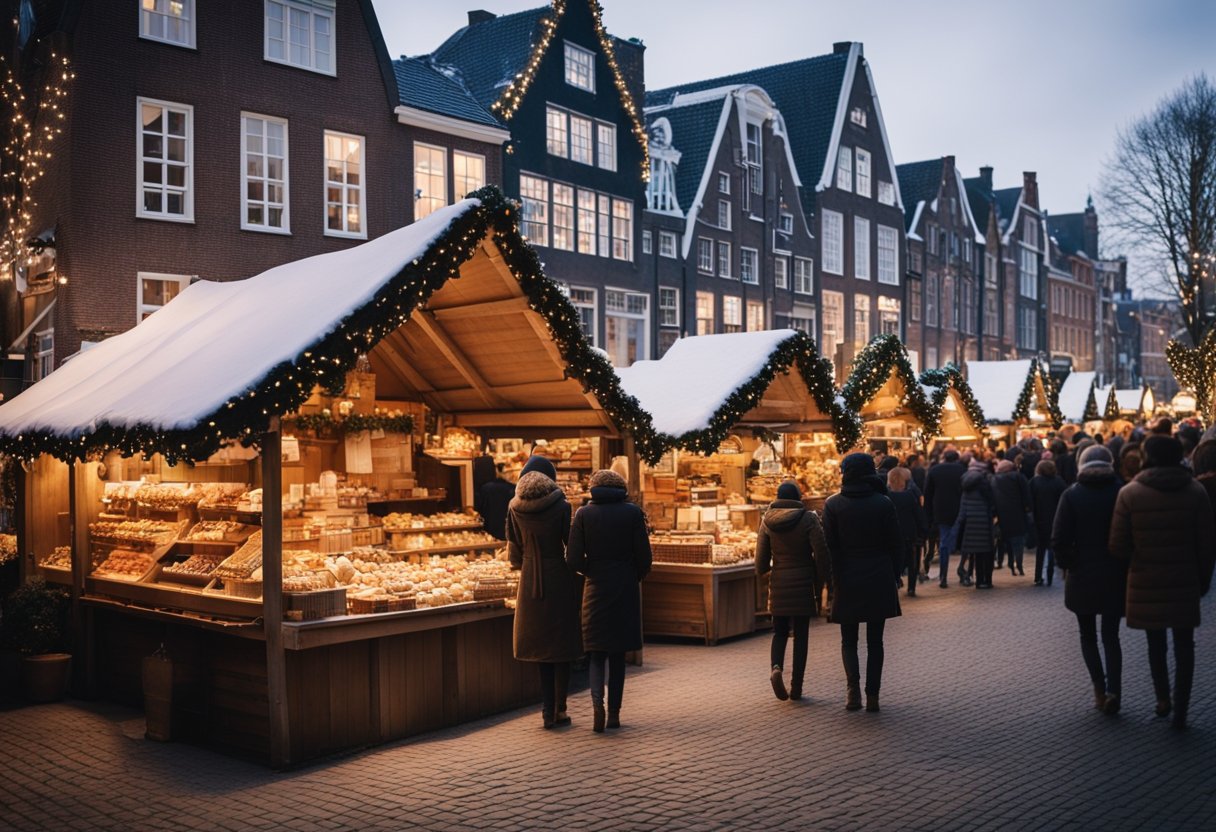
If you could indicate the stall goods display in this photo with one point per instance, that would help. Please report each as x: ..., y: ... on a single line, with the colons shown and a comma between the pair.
x: 195, y: 566
x: 763, y: 489
x: 682, y: 548
x: 167, y: 497
x: 743, y: 541
x: 440, y: 581
x: 140, y: 531
x: 242, y: 563
x: 443, y: 540
x: 406, y: 521
x: 60, y: 558
x: 124, y: 564
x: 816, y: 477
x: 228, y: 496
x: 214, y: 531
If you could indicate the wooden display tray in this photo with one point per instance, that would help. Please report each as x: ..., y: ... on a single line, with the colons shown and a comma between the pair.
x: 249, y: 518
x: 448, y: 550
x: 55, y: 575
x: 175, y: 598
x: 463, y: 527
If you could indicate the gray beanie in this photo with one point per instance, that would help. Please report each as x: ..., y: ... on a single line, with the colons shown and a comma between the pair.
x: 1096, y: 455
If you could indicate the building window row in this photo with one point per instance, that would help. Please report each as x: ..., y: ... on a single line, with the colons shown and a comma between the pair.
x: 563, y: 217
x: 579, y: 138
x: 431, y: 176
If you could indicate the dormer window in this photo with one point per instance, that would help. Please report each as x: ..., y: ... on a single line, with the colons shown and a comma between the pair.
x: 580, y: 67
x: 858, y: 116
x: 301, y: 33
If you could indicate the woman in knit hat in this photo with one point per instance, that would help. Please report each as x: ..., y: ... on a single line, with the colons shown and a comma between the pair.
x: 791, y: 545
x: 862, y: 533
x: 609, y: 545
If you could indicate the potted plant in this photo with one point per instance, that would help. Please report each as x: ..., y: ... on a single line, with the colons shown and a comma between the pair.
x: 35, y: 625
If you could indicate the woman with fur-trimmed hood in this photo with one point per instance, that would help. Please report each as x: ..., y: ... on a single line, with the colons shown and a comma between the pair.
x: 546, y: 612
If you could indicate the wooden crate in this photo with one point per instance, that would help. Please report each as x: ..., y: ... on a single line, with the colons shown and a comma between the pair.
x: 309, y: 606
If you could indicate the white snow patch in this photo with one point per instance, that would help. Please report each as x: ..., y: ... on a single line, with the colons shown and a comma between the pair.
x: 1129, y: 399
x: 997, y: 385
x: 1074, y: 395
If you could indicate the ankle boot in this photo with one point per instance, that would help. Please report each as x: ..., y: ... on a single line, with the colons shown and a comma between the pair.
x: 795, y: 689
x: 778, y: 683
x: 872, y: 703
x: 614, y: 718
x: 561, y: 718
x: 598, y: 717
x: 852, y: 700
x: 1099, y: 698
x: 546, y: 717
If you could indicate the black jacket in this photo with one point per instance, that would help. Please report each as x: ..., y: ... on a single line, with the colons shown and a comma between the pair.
x: 1045, y: 495
x: 1066, y: 467
x: 792, y: 546
x: 862, y: 533
x: 491, y: 503
x: 1012, y: 502
x: 1095, y: 582
x: 912, y: 523
x: 975, y: 515
x: 609, y: 545
x: 1028, y: 462
x: 918, y: 477
x: 944, y: 491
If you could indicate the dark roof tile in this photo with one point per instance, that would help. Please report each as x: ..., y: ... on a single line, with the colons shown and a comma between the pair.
x: 434, y: 88
x: 693, y: 128
x: 1069, y: 232
x: 1006, y: 203
x: 918, y: 182
x: 490, y: 54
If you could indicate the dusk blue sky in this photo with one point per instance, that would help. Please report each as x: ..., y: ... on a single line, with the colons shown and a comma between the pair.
x: 1034, y: 85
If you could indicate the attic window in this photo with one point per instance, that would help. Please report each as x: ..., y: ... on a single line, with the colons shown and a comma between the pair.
x: 858, y: 116
x: 580, y: 67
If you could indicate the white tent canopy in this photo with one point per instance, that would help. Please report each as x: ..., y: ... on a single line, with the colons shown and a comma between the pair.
x: 1130, y: 400
x: 997, y: 385
x: 1074, y: 395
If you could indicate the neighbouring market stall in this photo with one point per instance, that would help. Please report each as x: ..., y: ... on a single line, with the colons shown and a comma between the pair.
x: 258, y: 477
x: 1077, y: 399
x: 883, y: 390
x: 725, y: 405
x: 1136, y: 404
x: 1017, y: 399
x: 960, y: 420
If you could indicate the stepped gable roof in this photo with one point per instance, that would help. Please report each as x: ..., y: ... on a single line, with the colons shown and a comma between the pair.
x: 425, y: 85
x: 807, y: 92
x: 918, y: 182
x: 490, y: 54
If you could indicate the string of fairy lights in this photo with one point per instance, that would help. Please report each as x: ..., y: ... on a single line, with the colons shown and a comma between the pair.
x: 1091, y: 404
x: 33, y: 126
x: 513, y: 96
x: 1195, y: 369
x: 942, y: 380
x: 873, y: 366
x: 1021, y: 411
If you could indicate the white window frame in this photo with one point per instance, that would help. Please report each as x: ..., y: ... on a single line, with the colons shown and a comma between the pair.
x: 579, y: 79
x: 861, y: 248
x: 557, y: 121
x: 667, y: 244
x: 804, y: 276
x: 643, y: 316
x: 44, y: 353
x: 361, y: 234
x: 604, y: 237
x: 1028, y: 272
x: 706, y: 302
x: 313, y: 10
x: 647, y: 242
x: 833, y: 304
x: 781, y: 272
x: 862, y: 310
x: 888, y: 307
x: 705, y: 246
x: 886, y: 193
x: 583, y: 153
x: 724, y: 259
x: 844, y: 168
x: 265, y: 227
x: 563, y: 217
x: 539, y: 221
x: 673, y: 294
x: 724, y: 214
x: 833, y: 242
x: 749, y: 265
x: 587, y: 217
x: 749, y: 318
x: 163, y: 186
x: 605, y: 145
x: 463, y: 185
x: 582, y: 303
x: 147, y: 15
x: 802, y: 318
x: 183, y: 281
x: 440, y: 199
x: 786, y: 223
x: 857, y: 116
x: 724, y: 183
x: 732, y: 313
x: 888, y: 256
x: 622, y: 230
x: 863, y: 178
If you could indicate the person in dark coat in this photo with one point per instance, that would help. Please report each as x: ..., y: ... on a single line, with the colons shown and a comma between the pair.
x: 1163, y: 525
x: 913, y: 527
x: 974, y: 529
x: 609, y: 546
x: 916, y: 467
x: 491, y: 503
x: 546, y: 610
x: 1045, y: 491
x: 792, y: 547
x: 1012, y: 494
x: 1066, y: 462
x: 1094, y: 582
x: 862, y: 532
x: 943, y: 493
x: 1032, y: 452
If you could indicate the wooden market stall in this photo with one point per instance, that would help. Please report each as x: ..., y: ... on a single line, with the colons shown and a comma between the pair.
x: 328, y: 367
x: 883, y: 390
x: 1135, y: 404
x: 1016, y: 397
x: 720, y: 404
x: 1078, y: 401
x: 959, y: 418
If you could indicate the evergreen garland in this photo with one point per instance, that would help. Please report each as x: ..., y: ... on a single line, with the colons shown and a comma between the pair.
x: 945, y: 378
x: 873, y: 367
x: 321, y: 423
x: 1053, y: 396
x: 1091, y: 405
x: 1021, y: 412
x: 1112, y: 411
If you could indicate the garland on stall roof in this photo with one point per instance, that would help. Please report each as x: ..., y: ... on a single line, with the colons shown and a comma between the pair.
x: 324, y: 422
x: 1021, y: 412
x: 1195, y: 368
x: 951, y: 376
x: 871, y: 369
x: 1091, y: 404
x: 1112, y: 412
x: 1053, y: 395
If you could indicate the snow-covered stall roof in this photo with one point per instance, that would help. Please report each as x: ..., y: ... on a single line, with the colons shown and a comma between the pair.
x: 222, y: 358
x: 959, y: 416
x: 705, y: 385
x: 1075, y: 395
x: 999, y: 387
x: 1131, y: 401
x: 882, y: 385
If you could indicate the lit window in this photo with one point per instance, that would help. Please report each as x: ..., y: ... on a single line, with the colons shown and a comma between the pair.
x: 468, y: 172
x: 264, y: 197
x: 605, y: 225
x: 584, y: 303
x: 622, y: 229
x: 430, y: 179
x: 705, y: 313
x: 861, y: 321
x: 781, y: 272
x: 344, y: 189
x: 932, y: 297
x: 563, y: 217
x: 888, y: 315
x: 169, y: 21
x: 888, y: 255
x: 755, y: 317
x: 705, y: 255
x: 301, y: 34
x: 580, y: 67
x: 557, y: 138
x: 863, y: 172
x: 803, y: 319
x: 732, y: 313
x: 606, y: 149
x: 723, y: 183
x: 833, y: 323
x: 844, y: 169
x: 667, y: 244
x: 586, y: 222
x: 749, y: 265
x: 804, y: 275
x: 534, y: 209
x: 580, y: 140
x: 153, y: 291
x: 833, y: 242
x: 723, y: 259
x: 669, y: 306
x: 861, y: 248
x: 724, y: 214
x: 166, y: 177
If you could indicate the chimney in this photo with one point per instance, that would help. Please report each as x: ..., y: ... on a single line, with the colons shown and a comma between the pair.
x: 1030, y: 189
x: 841, y: 47
x: 986, y: 177
x: 480, y: 16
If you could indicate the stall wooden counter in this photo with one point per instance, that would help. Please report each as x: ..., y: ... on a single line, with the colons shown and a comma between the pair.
x: 699, y: 600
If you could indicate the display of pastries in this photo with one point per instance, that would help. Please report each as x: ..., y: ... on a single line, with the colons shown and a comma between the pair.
x: 406, y: 521
x: 242, y: 563
x: 443, y: 540
x: 60, y: 558
x: 144, y: 531
x: 125, y: 564
x: 197, y: 565
x: 215, y: 530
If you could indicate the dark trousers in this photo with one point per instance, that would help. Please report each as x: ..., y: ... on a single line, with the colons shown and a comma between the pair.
x: 874, y: 654
x: 930, y: 549
x: 554, y: 686
x: 1110, y: 681
x: 610, y: 666
x: 983, y: 567
x: 783, y: 626
x: 1013, y: 546
x: 1184, y: 666
x: 1044, y: 560
x: 912, y: 559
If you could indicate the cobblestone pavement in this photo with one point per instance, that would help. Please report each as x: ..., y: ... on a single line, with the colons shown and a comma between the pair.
x: 986, y: 723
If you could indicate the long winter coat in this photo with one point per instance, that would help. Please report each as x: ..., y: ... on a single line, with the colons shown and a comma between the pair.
x: 975, y: 514
x: 791, y: 545
x: 1012, y: 496
x: 1045, y: 493
x: 912, y: 523
x: 609, y: 545
x: 944, y: 492
x: 1163, y: 526
x: 863, y: 537
x: 1066, y: 467
x: 546, y: 611
x: 1095, y: 582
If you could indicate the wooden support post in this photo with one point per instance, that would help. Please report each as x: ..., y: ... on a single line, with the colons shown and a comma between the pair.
x: 78, y: 529
x: 635, y: 469
x: 272, y: 593
x: 25, y: 554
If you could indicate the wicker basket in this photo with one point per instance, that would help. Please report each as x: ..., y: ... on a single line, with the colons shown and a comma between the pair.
x: 396, y: 603
x: 239, y: 588
x: 309, y: 606
x: 693, y: 551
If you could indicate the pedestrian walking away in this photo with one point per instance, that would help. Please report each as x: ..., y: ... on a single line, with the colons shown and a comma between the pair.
x: 1163, y: 526
x: 1012, y: 499
x: 546, y: 611
x: 792, y: 550
x: 974, y: 531
x: 610, y: 547
x: 862, y: 533
x: 1095, y: 582
x: 913, y: 527
x: 943, y: 493
x: 1045, y: 491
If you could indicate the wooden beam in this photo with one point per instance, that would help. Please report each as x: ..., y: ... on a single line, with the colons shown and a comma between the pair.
x: 546, y: 337
x: 402, y: 367
x: 430, y: 327
x: 272, y: 593
x: 530, y: 419
x: 481, y: 310
x: 500, y: 266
